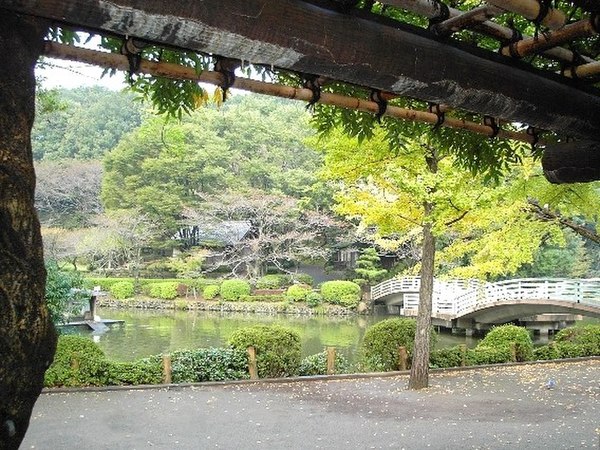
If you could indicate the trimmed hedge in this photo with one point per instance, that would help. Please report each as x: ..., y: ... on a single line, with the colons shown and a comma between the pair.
x: 166, y: 290
x: 379, y: 349
x: 446, y: 357
x: 209, y: 364
x: 298, y: 292
x: 580, y: 340
x: 278, y: 349
x: 489, y: 355
x: 339, y: 292
x: 122, y: 290
x: 314, y: 299
x: 505, y: 335
x: 234, y: 290
x: 274, y: 281
x: 317, y: 364
x: 210, y: 291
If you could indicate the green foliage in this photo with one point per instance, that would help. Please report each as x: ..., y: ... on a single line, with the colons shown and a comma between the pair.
x: 304, y: 278
x: 368, y: 267
x: 446, y: 357
x: 166, y: 290
x: 546, y: 352
x: 314, y: 299
x: 77, y: 362
x: 278, y: 349
x: 273, y: 281
x: 578, y: 341
x: 62, y: 295
x: 381, y: 342
x: 210, y: 291
x: 489, y: 355
x: 317, y: 364
x: 503, y: 336
x: 122, y: 290
x: 209, y: 364
x: 297, y: 292
x: 340, y: 292
x: 144, y: 371
x: 234, y: 290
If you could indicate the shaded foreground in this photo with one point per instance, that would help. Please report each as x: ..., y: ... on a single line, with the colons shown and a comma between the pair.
x: 504, y: 407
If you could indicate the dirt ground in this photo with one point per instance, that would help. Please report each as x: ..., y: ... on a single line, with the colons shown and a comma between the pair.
x: 486, y: 408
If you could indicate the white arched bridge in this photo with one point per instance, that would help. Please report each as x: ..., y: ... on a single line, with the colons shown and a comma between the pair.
x: 472, y: 303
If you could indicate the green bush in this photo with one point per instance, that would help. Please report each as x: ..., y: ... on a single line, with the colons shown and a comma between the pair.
x: 209, y: 364
x: 304, y: 278
x: 78, y: 361
x: 233, y: 290
x: 144, y: 371
x: 489, y: 355
x: 586, y: 337
x: 379, y: 349
x: 317, y: 364
x: 64, y: 295
x: 122, y: 290
x: 505, y: 335
x: 165, y: 290
x: 341, y: 292
x: 104, y: 283
x: 274, y: 281
x: 314, y: 299
x: 297, y: 292
x: 446, y: 357
x: 278, y: 349
x: 211, y: 291
x: 546, y: 352
x: 263, y: 298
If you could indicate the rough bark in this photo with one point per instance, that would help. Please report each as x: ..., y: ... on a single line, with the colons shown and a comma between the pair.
x: 27, y: 337
x: 419, y: 371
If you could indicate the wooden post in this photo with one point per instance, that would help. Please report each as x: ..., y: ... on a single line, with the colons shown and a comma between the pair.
x: 513, y: 352
x: 403, y: 358
x: 463, y: 355
x: 252, y: 366
x: 167, y: 369
x: 330, y: 360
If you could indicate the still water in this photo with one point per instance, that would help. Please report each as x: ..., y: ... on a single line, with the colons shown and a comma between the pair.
x: 148, y: 332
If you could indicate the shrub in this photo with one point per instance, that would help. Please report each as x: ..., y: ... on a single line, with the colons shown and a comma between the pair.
x: 209, y: 364
x: 210, y: 291
x: 274, y: 281
x: 78, y: 361
x: 489, y: 355
x: 165, y: 290
x: 381, y: 342
x: 304, y: 278
x: 268, y: 298
x: 349, y: 301
x: 340, y: 292
x: 546, y: 352
x: 297, y: 292
x: 314, y: 299
x: 277, y: 349
x: 317, y: 364
x: 144, y: 371
x: 446, y: 357
x: 587, y: 337
x: 233, y: 290
x: 64, y: 296
x: 122, y: 290
x: 504, y: 335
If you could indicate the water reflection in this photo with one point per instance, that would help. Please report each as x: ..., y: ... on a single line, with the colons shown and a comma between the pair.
x: 148, y: 332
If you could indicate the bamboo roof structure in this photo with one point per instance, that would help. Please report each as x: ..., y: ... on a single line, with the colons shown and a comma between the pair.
x: 531, y: 62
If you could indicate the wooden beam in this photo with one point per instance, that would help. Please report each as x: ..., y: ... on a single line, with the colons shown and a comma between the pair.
x: 583, y: 70
x: 302, y: 37
x: 577, y: 30
x: 572, y: 162
x: 174, y: 71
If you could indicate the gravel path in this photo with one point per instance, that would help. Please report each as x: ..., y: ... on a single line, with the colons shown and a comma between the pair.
x: 503, y: 407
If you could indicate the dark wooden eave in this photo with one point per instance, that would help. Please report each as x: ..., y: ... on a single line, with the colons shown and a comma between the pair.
x: 350, y: 47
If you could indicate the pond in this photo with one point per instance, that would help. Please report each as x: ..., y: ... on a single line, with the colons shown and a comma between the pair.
x: 151, y: 332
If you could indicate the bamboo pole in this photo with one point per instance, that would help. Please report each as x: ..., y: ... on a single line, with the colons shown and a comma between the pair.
x: 431, y: 9
x: 330, y: 360
x: 252, y: 363
x: 174, y: 71
x: 167, y: 369
x: 525, y: 47
x: 583, y: 71
x: 467, y: 19
x: 530, y: 9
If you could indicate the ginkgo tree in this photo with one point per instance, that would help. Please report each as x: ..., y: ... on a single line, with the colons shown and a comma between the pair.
x: 487, y: 224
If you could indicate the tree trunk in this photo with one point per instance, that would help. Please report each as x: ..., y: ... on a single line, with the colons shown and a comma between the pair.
x: 27, y: 336
x: 419, y: 372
